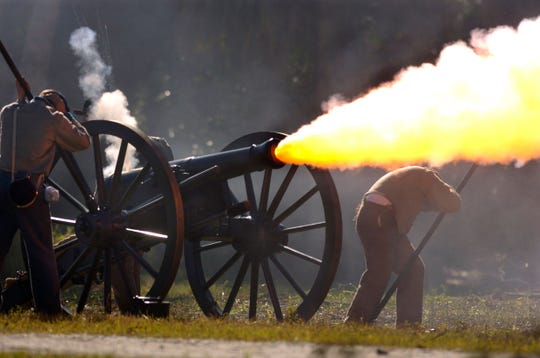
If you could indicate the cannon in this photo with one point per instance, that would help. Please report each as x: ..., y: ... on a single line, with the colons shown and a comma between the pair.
x: 259, y: 238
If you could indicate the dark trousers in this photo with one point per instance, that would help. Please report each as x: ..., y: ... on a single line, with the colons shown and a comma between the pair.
x: 34, y: 224
x: 385, y: 252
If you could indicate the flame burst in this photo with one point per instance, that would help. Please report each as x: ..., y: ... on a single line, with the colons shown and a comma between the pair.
x: 479, y: 102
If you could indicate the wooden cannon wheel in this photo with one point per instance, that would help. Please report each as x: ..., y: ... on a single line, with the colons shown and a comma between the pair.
x: 289, y: 240
x: 121, y: 208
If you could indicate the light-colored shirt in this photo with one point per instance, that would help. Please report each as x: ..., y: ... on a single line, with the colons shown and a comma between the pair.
x: 414, y: 189
x: 39, y: 129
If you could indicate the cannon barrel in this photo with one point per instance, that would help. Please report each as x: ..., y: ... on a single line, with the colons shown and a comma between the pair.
x: 227, y: 164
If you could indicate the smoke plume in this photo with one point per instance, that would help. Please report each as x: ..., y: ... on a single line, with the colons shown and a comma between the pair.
x: 111, y: 106
x: 479, y: 102
x: 93, y: 71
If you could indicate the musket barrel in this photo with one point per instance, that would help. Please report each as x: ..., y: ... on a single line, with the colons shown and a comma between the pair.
x: 15, y: 71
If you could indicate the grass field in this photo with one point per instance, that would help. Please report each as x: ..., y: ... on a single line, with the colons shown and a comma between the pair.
x: 504, y: 322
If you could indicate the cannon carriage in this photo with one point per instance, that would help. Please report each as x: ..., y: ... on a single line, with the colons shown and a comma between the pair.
x: 259, y: 238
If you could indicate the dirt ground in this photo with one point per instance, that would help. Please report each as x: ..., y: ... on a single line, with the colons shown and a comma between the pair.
x: 122, y: 346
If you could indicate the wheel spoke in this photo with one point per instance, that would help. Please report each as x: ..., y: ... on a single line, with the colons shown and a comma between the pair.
x: 74, y: 265
x: 296, y: 205
x: 236, y: 286
x: 140, y: 259
x: 132, y: 188
x: 121, y: 269
x: 107, y: 281
x: 147, y: 205
x: 302, y: 228
x: 282, y: 189
x: 66, y: 195
x: 222, y: 270
x: 117, y: 172
x: 98, y: 165
x: 88, y: 284
x: 212, y: 246
x: 288, y: 277
x: 253, y: 289
x: 250, y: 192
x: 265, y: 190
x: 142, y: 240
x: 148, y: 236
x: 63, y: 221
x: 300, y: 254
x: 271, y: 289
x: 79, y: 179
x: 61, y: 247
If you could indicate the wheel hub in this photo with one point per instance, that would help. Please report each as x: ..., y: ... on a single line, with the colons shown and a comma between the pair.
x: 99, y: 229
x: 256, y: 237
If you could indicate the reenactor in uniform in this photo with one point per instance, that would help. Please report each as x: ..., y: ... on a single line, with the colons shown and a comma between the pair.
x: 30, y: 133
x: 383, y: 219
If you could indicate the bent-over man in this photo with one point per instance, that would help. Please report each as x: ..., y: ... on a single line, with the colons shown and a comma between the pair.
x: 383, y: 219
